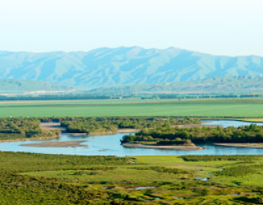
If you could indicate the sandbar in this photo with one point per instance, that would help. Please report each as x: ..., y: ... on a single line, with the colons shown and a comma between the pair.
x: 56, y: 144
x: 247, y: 145
x: 184, y: 148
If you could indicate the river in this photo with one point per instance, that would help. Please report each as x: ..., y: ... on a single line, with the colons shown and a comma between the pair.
x: 110, y: 145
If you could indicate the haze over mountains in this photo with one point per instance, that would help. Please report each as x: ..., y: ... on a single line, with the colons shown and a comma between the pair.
x: 105, y: 67
x: 227, y: 84
x: 30, y: 87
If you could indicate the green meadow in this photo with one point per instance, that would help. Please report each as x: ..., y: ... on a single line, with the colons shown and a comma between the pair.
x: 250, y: 108
x: 65, y: 179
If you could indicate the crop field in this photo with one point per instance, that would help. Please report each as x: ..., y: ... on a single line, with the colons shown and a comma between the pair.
x: 249, y: 108
x: 62, y: 179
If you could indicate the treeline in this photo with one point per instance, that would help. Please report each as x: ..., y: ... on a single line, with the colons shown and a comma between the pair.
x: 57, y: 97
x: 90, y: 126
x: 19, y: 128
x: 104, y: 96
x: 112, y: 124
x: 252, y: 133
x: 206, y: 96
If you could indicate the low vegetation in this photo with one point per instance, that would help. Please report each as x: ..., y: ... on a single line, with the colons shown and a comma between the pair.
x: 167, y: 135
x: 23, y: 128
x: 224, y: 108
x: 28, y: 178
x: 111, y: 125
x: 65, y: 179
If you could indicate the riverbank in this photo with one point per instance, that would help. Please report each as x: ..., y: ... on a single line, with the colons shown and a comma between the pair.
x: 29, y: 139
x: 183, y: 148
x: 57, y: 144
x: 57, y: 125
x: 246, y: 145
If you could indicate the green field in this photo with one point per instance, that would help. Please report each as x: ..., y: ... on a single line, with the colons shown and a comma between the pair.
x: 251, y: 108
x: 27, y: 178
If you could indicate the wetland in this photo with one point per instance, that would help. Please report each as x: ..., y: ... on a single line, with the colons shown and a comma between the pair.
x: 109, y: 144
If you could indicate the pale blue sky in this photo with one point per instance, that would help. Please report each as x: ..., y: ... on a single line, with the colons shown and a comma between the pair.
x: 225, y: 27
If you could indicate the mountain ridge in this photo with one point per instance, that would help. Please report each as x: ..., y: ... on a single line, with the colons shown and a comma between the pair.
x: 227, y: 84
x: 25, y: 86
x: 107, y: 67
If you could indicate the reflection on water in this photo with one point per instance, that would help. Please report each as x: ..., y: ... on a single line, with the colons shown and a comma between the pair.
x: 202, y: 179
x: 110, y: 145
x: 228, y: 123
x: 144, y: 187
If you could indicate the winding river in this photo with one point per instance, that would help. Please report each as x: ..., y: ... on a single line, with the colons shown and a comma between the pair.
x: 110, y: 145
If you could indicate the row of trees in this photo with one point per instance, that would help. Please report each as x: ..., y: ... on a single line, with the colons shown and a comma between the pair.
x: 112, y: 124
x: 252, y: 133
x: 12, y: 128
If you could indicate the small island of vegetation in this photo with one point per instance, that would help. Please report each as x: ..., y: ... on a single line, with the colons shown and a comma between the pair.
x: 179, y: 136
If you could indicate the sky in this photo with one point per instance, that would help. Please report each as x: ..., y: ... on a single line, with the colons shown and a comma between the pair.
x: 220, y: 27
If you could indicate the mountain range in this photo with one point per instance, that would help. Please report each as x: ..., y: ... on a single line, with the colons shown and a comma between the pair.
x: 227, y: 84
x: 105, y: 67
x: 30, y: 87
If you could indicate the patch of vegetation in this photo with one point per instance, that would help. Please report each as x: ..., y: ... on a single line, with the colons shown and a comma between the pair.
x: 39, y: 162
x: 206, y: 158
x: 165, y: 170
x: 168, y: 135
x: 240, y: 171
x: 69, y: 179
x: 23, y: 128
x: 135, y: 107
x: 111, y: 125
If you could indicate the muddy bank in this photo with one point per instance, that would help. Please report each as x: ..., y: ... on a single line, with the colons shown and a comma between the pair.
x: 247, y: 145
x: 57, y: 144
x: 183, y: 148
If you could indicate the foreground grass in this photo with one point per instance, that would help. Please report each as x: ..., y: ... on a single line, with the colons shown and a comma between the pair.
x: 27, y: 178
x: 251, y: 108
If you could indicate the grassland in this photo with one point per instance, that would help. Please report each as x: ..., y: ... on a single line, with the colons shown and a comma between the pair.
x: 249, y: 108
x: 62, y: 179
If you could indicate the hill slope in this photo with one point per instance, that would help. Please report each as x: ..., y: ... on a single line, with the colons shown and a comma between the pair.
x: 211, y: 85
x: 20, y: 86
x: 123, y: 66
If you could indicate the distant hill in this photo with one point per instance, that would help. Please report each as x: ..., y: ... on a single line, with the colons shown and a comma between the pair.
x: 22, y: 86
x: 211, y: 85
x: 106, y: 67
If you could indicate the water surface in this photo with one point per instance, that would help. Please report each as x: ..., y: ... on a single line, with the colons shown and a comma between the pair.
x: 228, y: 123
x: 110, y: 145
